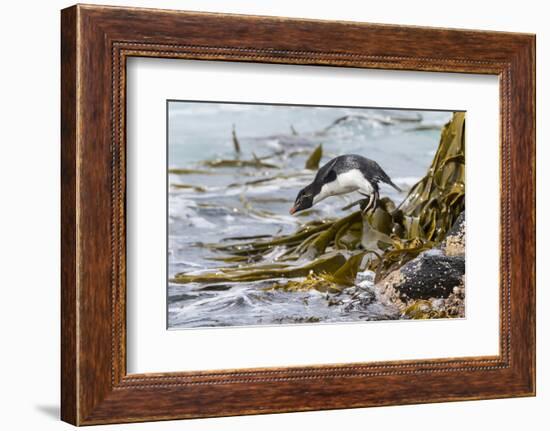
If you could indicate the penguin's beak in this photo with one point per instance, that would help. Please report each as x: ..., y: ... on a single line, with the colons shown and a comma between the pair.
x: 292, y: 210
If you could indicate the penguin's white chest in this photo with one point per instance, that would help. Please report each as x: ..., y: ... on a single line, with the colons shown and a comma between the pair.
x: 346, y: 182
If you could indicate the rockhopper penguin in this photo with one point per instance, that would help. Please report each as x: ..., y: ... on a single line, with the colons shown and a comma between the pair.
x: 344, y: 174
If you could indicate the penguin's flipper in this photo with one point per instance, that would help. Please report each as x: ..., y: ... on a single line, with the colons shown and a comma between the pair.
x: 326, y: 173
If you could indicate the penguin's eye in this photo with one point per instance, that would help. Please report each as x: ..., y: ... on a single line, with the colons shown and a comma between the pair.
x: 303, y: 196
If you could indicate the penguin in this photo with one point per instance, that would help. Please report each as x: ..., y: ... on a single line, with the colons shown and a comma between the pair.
x: 344, y: 174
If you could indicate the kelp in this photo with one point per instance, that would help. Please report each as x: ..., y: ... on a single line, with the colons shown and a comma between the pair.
x: 312, y: 163
x: 384, y: 120
x: 262, y: 181
x: 435, y: 202
x: 422, y: 309
x: 424, y: 127
x: 198, y: 189
x: 238, y: 163
x: 180, y: 171
x: 326, y: 264
x: 380, y: 240
x: 236, y: 144
x: 311, y: 282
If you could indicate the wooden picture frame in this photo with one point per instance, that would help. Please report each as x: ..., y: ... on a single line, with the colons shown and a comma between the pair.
x: 95, y: 43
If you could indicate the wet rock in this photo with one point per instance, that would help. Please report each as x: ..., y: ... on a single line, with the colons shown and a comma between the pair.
x: 365, y: 278
x: 430, y: 275
x: 432, y: 284
x: 437, y: 308
x: 455, y: 242
x: 387, y: 292
x: 423, y: 309
x: 364, y: 301
x: 454, y: 304
x: 360, y: 299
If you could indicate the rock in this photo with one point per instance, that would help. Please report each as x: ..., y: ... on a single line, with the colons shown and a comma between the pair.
x: 454, y: 304
x: 430, y: 275
x: 387, y: 290
x: 360, y: 300
x: 423, y: 309
x: 455, y: 242
x: 365, y: 278
x: 436, y: 308
x: 432, y: 284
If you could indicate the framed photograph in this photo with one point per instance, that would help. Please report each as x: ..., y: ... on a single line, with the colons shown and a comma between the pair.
x: 264, y: 214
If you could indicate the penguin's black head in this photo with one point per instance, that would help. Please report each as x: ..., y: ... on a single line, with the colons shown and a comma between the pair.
x: 304, y: 200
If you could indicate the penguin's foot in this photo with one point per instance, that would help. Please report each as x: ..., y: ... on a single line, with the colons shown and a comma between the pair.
x: 371, y: 205
x: 366, y: 210
x: 364, y: 204
x: 367, y: 207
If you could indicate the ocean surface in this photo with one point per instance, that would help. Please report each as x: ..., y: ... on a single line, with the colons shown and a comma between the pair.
x: 212, y: 205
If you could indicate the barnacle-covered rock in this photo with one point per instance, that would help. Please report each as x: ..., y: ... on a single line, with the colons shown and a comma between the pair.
x: 430, y: 275
x: 455, y: 242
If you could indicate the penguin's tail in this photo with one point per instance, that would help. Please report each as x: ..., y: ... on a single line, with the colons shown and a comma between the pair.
x: 390, y: 182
